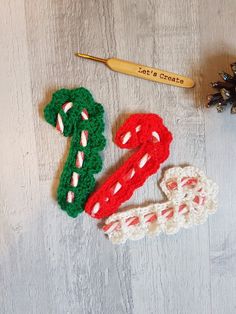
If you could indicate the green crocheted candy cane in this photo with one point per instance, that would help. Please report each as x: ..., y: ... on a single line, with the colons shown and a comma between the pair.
x: 75, y: 113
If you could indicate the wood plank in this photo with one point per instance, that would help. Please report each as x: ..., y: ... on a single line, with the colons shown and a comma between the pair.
x: 89, y: 275
x: 217, y: 52
x: 168, y: 273
x: 23, y: 270
x: 50, y: 263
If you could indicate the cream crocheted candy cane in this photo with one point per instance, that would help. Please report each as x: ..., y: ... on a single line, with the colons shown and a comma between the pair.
x: 191, y: 197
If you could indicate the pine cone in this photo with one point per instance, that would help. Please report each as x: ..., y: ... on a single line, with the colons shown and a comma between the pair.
x: 226, y: 91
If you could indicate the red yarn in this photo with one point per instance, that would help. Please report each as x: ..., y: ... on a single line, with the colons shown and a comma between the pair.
x: 147, y: 132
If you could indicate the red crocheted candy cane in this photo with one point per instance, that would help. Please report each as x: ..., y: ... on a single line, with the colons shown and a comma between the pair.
x: 147, y: 133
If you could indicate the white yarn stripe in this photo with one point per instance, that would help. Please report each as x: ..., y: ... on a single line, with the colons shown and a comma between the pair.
x: 149, y: 216
x: 114, y: 226
x: 84, y: 114
x: 132, y: 173
x: 84, y: 138
x: 166, y: 214
x: 79, y: 159
x: 183, y: 182
x: 156, y: 136
x: 138, y: 128
x: 59, y: 125
x: 74, y: 179
x: 118, y: 186
x: 96, y: 208
x: 144, y: 160
x: 130, y: 220
x: 129, y: 175
x: 70, y: 197
x: 126, y: 137
x: 67, y: 106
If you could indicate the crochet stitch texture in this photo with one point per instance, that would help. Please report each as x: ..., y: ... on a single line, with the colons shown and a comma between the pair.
x: 191, y: 198
x: 147, y: 133
x: 75, y: 114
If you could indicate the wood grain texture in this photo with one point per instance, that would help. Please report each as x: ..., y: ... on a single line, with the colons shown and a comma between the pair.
x: 50, y: 263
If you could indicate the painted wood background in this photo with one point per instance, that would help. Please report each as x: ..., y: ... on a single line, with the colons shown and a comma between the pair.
x: 50, y: 263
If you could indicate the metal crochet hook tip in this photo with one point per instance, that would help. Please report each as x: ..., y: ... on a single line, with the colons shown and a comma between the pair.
x: 85, y: 56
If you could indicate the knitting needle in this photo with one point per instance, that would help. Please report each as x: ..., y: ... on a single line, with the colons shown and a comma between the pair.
x: 142, y: 71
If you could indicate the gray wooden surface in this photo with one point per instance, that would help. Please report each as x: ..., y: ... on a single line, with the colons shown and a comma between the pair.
x: 50, y: 263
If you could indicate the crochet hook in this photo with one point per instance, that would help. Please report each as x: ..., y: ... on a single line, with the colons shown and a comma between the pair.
x: 142, y: 71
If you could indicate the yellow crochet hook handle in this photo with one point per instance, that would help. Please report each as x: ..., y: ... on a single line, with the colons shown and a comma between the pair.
x: 142, y: 71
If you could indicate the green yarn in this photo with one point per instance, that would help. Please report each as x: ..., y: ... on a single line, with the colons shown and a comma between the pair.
x: 73, y: 126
